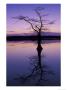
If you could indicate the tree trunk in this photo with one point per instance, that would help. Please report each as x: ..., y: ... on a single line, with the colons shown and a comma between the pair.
x: 39, y: 48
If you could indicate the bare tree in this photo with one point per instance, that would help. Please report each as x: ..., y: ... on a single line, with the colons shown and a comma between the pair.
x: 38, y: 25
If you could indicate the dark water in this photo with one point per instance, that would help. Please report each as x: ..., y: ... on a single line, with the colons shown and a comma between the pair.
x: 23, y: 68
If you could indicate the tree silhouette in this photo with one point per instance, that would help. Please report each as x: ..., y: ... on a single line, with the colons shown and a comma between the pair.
x: 38, y: 74
x: 38, y: 25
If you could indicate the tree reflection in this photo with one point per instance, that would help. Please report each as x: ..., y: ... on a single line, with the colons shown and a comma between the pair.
x: 39, y: 71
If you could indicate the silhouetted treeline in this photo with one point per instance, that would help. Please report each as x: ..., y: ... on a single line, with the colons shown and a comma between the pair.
x: 20, y: 38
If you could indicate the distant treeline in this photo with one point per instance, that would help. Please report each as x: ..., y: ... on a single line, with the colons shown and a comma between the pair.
x: 20, y: 38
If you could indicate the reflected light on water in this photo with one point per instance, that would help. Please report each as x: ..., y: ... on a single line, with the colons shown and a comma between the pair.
x: 18, y: 61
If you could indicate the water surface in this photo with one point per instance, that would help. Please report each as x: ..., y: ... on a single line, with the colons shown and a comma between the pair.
x: 21, y: 57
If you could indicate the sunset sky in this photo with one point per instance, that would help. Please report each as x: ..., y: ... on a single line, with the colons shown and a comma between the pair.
x: 15, y: 26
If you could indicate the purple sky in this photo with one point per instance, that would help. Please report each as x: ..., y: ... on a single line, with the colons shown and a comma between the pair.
x: 17, y: 27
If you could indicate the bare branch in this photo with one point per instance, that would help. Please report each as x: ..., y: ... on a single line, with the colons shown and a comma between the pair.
x: 19, y: 17
x: 35, y: 20
x: 25, y: 19
x: 37, y: 27
x: 39, y: 15
x: 36, y: 24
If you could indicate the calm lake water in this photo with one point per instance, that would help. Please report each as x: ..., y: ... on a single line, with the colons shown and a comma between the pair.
x: 22, y: 58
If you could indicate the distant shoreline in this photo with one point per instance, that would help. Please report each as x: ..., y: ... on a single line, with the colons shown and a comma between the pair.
x: 21, y: 38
